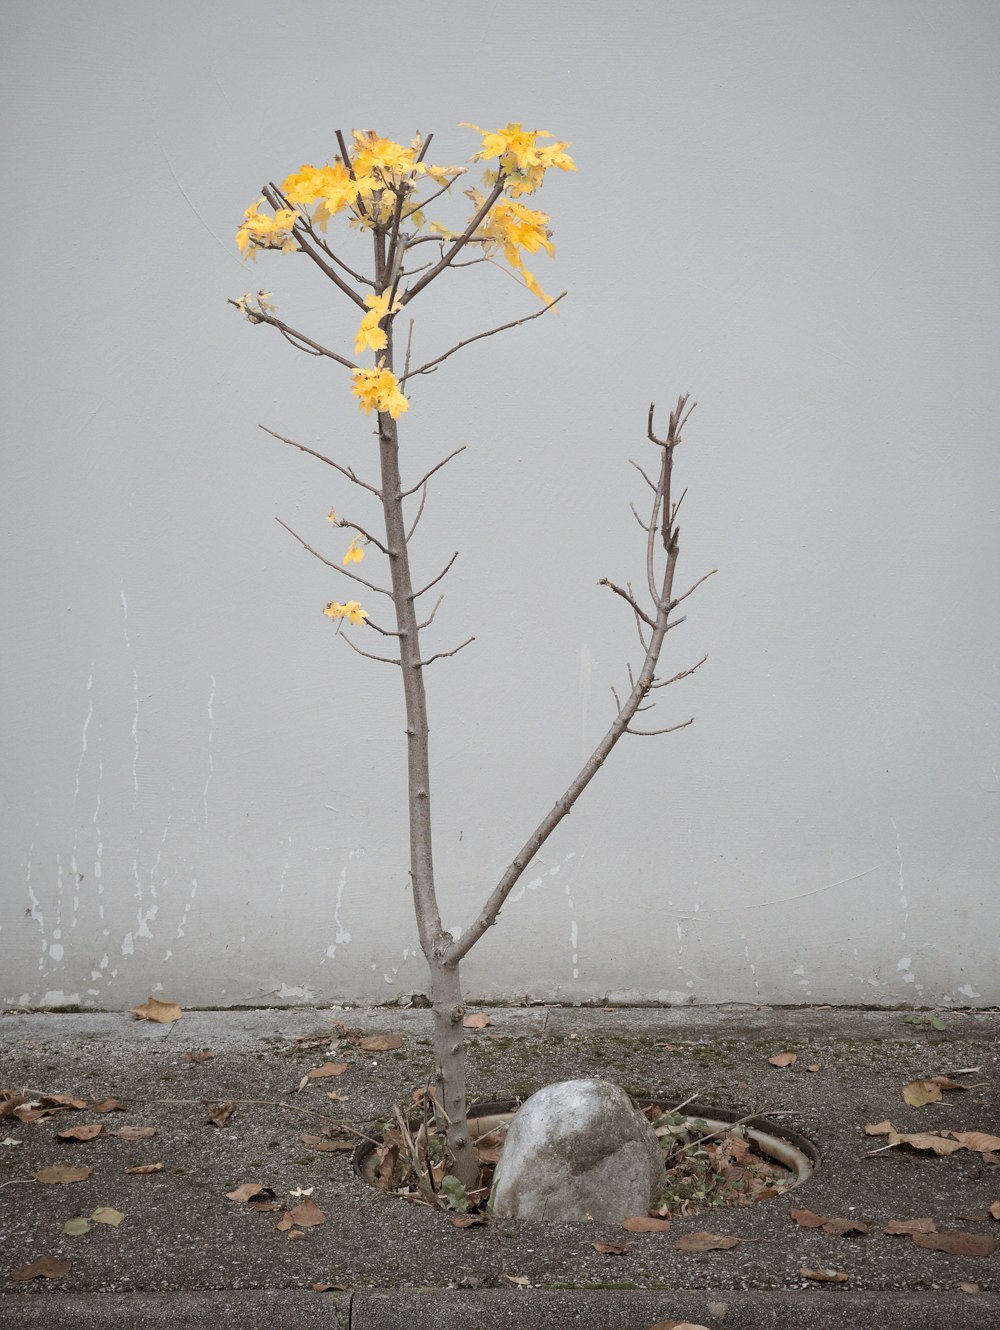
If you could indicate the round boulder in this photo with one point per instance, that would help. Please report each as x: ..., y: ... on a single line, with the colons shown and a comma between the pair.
x: 578, y: 1150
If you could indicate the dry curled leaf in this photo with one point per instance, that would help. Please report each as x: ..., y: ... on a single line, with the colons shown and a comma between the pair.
x: 134, y: 1133
x: 163, y: 1013
x: 967, y: 1286
x: 783, y: 1059
x: 807, y: 1218
x: 837, y: 1227
x: 381, y: 1043
x: 919, y: 1140
x: 145, y: 1168
x: 199, y: 1055
x: 824, y: 1276
x: 306, y: 1214
x: 61, y: 1101
x: 327, y: 1069
x: 612, y: 1248
x: 980, y: 1141
x: 104, y: 1214
x: 107, y: 1106
x: 265, y: 1207
x: 814, y: 1066
x: 645, y: 1224
x: 884, y: 1128
x: 328, y: 1288
x: 522, y: 1281
x: 956, y: 1244
x: 247, y: 1190
x: 46, y: 1267
x: 219, y: 1114
x: 326, y: 1143
x: 476, y: 1020
x: 467, y: 1221
x: 910, y: 1226
x: 63, y: 1173
x: 83, y: 1133
x: 919, y: 1093
x: 702, y: 1240
x: 995, y: 1209
x: 75, y: 1228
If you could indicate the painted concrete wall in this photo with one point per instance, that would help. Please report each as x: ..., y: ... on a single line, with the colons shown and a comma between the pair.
x: 788, y: 209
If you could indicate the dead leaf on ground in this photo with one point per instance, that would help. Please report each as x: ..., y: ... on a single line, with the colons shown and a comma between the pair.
x: 11, y: 1099
x: 327, y: 1069
x: 612, y: 1248
x: 337, y: 1098
x: 522, y: 1281
x: 46, y: 1267
x: 381, y: 1043
x: 919, y: 1093
x: 910, y: 1226
x: 306, y: 1214
x: 956, y: 1244
x: 919, y: 1140
x: 247, y: 1190
x: 645, y: 1224
x: 467, y: 1221
x: 995, y: 1209
x: 134, y: 1133
x: 678, y: 1325
x: 163, y: 1013
x: 973, y: 1219
x: 107, y: 1106
x: 783, y: 1059
x: 328, y: 1288
x: 884, y: 1128
x: 824, y: 1276
x: 476, y: 1020
x: 10, y: 1140
x: 75, y: 1228
x: 980, y: 1141
x: 63, y: 1173
x: 703, y: 1240
x: 839, y: 1228
x: 814, y: 1066
x: 104, y: 1214
x: 199, y: 1055
x: 265, y: 1207
x: 326, y: 1143
x: 967, y: 1286
x: 61, y: 1101
x: 145, y: 1168
x: 219, y: 1114
x: 83, y: 1133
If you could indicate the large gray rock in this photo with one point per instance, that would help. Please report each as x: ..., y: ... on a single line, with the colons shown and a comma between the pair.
x: 578, y: 1150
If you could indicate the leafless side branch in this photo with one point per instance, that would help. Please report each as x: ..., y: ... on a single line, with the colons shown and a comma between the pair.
x: 423, y: 590
x: 459, y: 244
x: 384, y: 591
x: 424, y: 479
x: 344, y: 470
x: 368, y: 655
x: 440, y: 655
x: 261, y: 316
x: 630, y: 599
x: 515, y: 323
x: 648, y: 734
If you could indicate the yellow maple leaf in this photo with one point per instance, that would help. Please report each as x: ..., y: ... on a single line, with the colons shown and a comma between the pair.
x: 260, y: 231
x: 355, y: 552
x: 378, y: 389
x: 521, y: 158
x: 352, y: 611
x: 370, y: 334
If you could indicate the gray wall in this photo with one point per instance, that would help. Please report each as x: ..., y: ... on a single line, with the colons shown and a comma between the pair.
x: 788, y: 209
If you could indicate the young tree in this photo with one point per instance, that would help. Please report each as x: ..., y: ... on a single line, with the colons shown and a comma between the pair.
x: 378, y: 186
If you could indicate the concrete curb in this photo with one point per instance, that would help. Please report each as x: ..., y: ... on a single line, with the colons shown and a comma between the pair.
x: 498, y: 1309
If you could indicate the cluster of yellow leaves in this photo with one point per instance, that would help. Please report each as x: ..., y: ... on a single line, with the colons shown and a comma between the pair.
x: 352, y: 611
x: 514, y: 227
x: 260, y: 231
x: 520, y: 157
x: 378, y: 389
x: 371, y: 334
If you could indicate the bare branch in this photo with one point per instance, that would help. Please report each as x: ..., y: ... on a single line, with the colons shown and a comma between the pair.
x: 353, y: 526
x: 424, y: 479
x: 424, y: 203
x: 614, y: 694
x: 442, y: 654
x: 260, y: 316
x: 692, y: 590
x: 344, y: 470
x: 276, y: 200
x: 638, y: 518
x: 460, y: 243
x: 430, y: 619
x: 345, y: 155
x: 420, y: 513
x: 682, y: 674
x: 648, y: 734
x: 385, y: 632
x: 409, y: 346
x: 516, y: 323
x: 368, y: 655
x: 643, y: 474
x: 627, y: 597
x: 417, y: 594
x: 329, y: 563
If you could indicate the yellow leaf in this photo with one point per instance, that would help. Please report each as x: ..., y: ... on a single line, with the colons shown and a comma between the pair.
x: 355, y: 552
x: 378, y: 389
x: 352, y: 611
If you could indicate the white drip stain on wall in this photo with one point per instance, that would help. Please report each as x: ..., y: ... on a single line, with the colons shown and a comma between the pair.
x: 536, y: 882
x: 341, y: 936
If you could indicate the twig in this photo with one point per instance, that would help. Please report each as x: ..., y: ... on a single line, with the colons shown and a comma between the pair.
x: 691, y: 590
x: 385, y: 632
x: 417, y: 594
x: 423, y: 1185
x: 344, y: 470
x: 440, y: 655
x: 339, y: 567
x: 260, y: 316
x: 423, y: 481
x: 13, y: 1182
x: 428, y: 621
x: 368, y: 655
x: 353, y: 526
x: 271, y: 193
x: 460, y: 243
x: 682, y: 674
x: 643, y: 474
x: 648, y: 734
x: 420, y: 513
x: 631, y: 600
x: 719, y: 1131
x: 409, y: 346
x: 638, y: 518
x: 515, y: 323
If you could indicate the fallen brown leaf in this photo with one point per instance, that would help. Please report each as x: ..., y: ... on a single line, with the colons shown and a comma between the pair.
x: 825, y: 1276
x: 164, y: 1013
x: 980, y: 1141
x: 63, y: 1173
x: 919, y: 1093
x: 247, y: 1190
x: 134, y: 1133
x: 46, y: 1267
x: 879, y: 1128
x: 967, y: 1286
x: 265, y: 1207
x: 61, y: 1101
x: 910, y: 1226
x: 807, y: 1218
x: 973, y: 1219
x: 105, y: 1214
x: 702, y: 1240
x: 107, y: 1106
x: 919, y: 1140
x: 306, y: 1215
x: 328, y: 1288
x: 326, y: 1143
x: 956, y: 1244
x: 783, y: 1059
x: 467, y: 1221
x: 327, y: 1069
x: 381, y: 1043
x: 612, y: 1248
x: 995, y: 1209
x: 200, y: 1055
x: 837, y: 1227
x: 645, y: 1224
x: 476, y: 1020
x: 521, y: 1280
x: 219, y: 1114
x: 83, y: 1133
x: 145, y: 1168
x: 297, y: 1234
x: 11, y: 1099
x: 814, y: 1066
